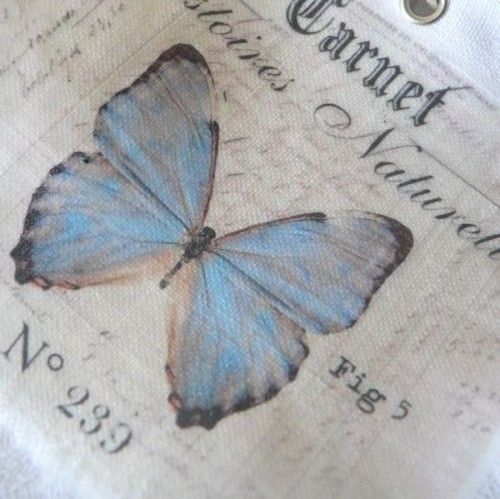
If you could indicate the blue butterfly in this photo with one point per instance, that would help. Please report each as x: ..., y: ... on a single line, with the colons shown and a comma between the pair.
x: 244, y: 300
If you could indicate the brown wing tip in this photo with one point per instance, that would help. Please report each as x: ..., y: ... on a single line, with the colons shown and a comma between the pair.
x: 24, y: 269
x: 205, y: 418
x: 404, y: 239
x: 182, y: 51
x: 404, y: 243
x: 21, y: 255
x: 22, y: 252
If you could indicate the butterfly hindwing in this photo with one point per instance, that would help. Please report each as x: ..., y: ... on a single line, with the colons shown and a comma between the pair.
x: 320, y: 272
x: 159, y: 131
x: 229, y: 349
x: 87, y: 224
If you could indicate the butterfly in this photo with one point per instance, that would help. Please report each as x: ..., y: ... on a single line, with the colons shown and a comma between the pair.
x: 243, y: 301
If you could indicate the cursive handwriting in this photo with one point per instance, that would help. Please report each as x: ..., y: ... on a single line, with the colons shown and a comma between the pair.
x: 419, y: 189
x: 220, y: 23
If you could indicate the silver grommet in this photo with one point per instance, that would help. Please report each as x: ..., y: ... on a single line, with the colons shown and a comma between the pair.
x: 424, y: 11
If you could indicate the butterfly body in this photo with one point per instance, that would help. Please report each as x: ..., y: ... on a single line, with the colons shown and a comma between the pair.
x: 241, y: 303
x: 200, y: 243
x: 194, y: 248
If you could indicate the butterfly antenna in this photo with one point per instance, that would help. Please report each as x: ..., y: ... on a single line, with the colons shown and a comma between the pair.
x: 166, y: 278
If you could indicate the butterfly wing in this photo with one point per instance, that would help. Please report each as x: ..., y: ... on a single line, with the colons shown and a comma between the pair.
x: 159, y: 133
x: 97, y: 219
x: 236, y: 330
x: 320, y: 272
x: 229, y: 349
x: 87, y: 223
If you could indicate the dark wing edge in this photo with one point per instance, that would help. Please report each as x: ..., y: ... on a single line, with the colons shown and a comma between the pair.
x: 404, y: 240
x: 213, y: 164
x: 21, y: 253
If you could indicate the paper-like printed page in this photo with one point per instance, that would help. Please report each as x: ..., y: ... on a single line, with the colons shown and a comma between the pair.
x: 248, y: 248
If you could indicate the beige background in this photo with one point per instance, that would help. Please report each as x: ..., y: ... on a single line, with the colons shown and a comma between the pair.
x: 430, y: 336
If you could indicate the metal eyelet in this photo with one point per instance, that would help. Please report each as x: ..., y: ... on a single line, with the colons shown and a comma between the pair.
x: 424, y: 11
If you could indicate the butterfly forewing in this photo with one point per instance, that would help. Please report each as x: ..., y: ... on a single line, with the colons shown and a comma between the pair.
x: 159, y: 132
x: 320, y: 272
x: 87, y: 224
